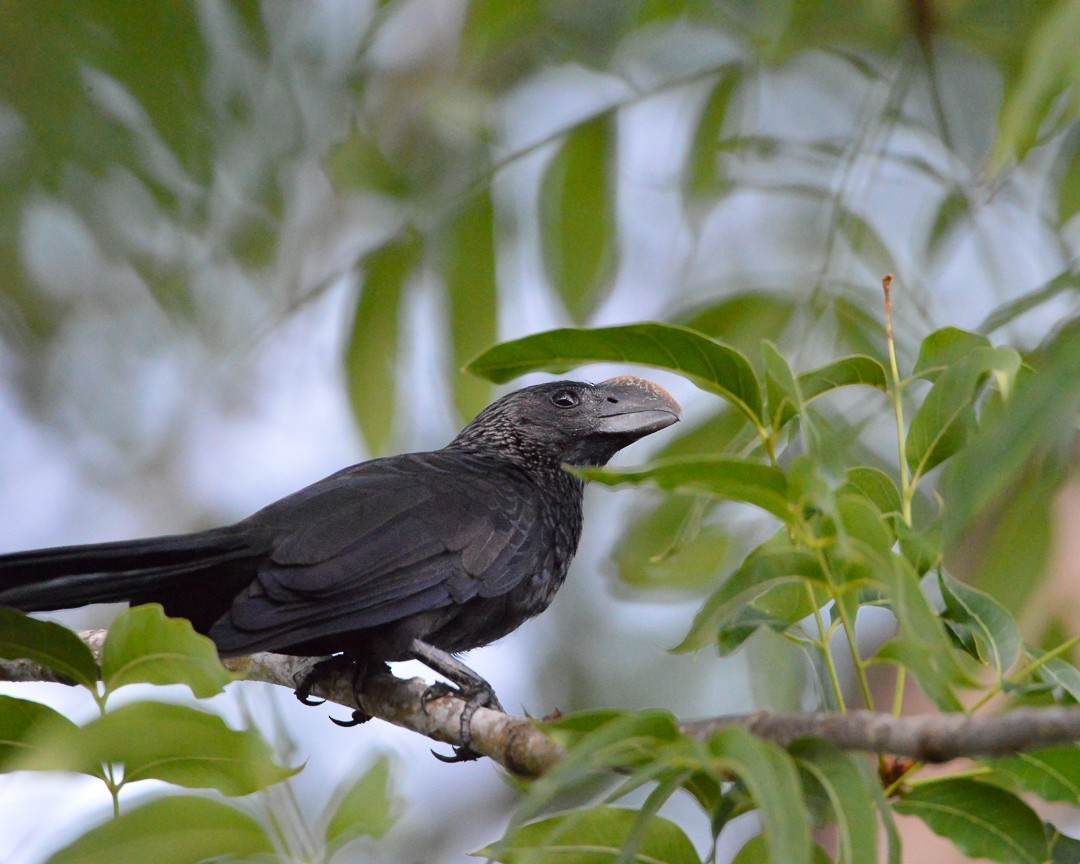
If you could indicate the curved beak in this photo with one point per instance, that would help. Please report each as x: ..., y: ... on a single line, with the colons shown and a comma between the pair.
x: 634, y: 407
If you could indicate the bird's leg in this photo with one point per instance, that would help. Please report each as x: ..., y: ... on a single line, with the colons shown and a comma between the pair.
x: 476, y: 692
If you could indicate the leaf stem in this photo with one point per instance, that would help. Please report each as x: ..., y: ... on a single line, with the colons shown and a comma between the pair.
x: 1023, y: 673
x: 907, y: 489
x: 823, y: 645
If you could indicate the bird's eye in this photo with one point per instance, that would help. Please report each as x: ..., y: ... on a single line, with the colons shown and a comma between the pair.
x: 565, y: 399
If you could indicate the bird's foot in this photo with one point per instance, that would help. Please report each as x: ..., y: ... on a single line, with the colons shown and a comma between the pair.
x: 479, y: 695
x: 320, y: 670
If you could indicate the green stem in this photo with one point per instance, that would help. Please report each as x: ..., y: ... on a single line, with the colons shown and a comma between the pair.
x: 907, y: 489
x: 849, y: 629
x: 898, y: 693
x: 823, y: 646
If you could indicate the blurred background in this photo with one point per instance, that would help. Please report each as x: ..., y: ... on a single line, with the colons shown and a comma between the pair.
x: 245, y: 244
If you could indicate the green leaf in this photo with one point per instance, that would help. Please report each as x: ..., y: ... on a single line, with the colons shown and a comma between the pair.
x: 1068, y: 185
x: 161, y: 741
x: 577, y: 216
x: 771, y: 565
x: 667, y: 548
x: 1047, y: 81
x: 946, y: 419
x: 711, y: 365
x: 944, y: 348
x: 48, y: 644
x: 371, y: 356
x: 24, y: 726
x: 770, y: 776
x: 469, y: 245
x: 145, y: 647
x: 862, y: 520
x: 729, y: 479
x: 1039, y: 417
x: 784, y: 398
x: 756, y: 851
x: 742, y: 320
x: 1057, y: 672
x: 877, y: 486
x: 365, y: 808
x: 982, y: 821
x: 1052, y: 774
x: 952, y: 216
x: 592, y: 837
x: 845, y: 372
x: 702, y: 179
x: 996, y: 636
x: 179, y: 830
x: 846, y: 784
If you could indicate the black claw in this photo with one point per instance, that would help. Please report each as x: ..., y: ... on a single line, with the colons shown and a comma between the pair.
x: 304, y: 699
x: 461, y: 754
x: 358, y: 717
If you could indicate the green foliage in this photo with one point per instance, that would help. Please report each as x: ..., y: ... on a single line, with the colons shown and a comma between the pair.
x: 182, y: 745
x: 847, y: 536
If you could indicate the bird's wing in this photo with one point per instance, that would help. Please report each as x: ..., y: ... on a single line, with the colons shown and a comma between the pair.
x: 382, y: 541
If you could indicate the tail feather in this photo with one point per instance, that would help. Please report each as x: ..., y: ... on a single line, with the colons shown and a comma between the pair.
x: 132, y: 570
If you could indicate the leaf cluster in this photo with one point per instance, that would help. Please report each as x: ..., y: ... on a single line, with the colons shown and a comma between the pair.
x: 182, y: 745
x: 846, y: 534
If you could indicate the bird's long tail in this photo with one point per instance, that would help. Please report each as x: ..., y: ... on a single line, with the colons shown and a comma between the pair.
x: 131, y: 570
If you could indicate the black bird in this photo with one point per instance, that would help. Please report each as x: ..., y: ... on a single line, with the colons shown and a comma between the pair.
x: 417, y: 556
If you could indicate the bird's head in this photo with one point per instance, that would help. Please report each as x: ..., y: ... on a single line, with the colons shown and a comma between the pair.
x: 571, y: 421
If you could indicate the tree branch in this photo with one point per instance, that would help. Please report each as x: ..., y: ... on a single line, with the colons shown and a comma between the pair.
x: 520, y: 747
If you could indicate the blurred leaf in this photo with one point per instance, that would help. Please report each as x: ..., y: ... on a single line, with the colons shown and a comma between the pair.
x: 711, y: 365
x: 1009, y: 311
x: 846, y: 784
x: 855, y: 369
x: 867, y: 244
x: 946, y: 420
x: 996, y: 636
x: 725, y: 432
x: 877, y: 486
x: 358, y: 163
x: 1052, y: 774
x: 702, y: 180
x: 145, y: 647
x: 770, y: 565
x: 161, y: 741
x: 371, y: 355
x: 989, y: 556
x: 944, y: 348
x: 597, y: 742
x: 1068, y: 185
x: 756, y: 851
x: 577, y: 216
x: 782, y: 390
x: 1049, y: 72
x: 770, y: 776
x: 742, y: 320
x: 1057, y: 671
x: 592, y: 837
x: 950, y: 219
x: 365, y: 808
x: 922, y: 547
x: 1039, y: 417
x: 179, y: 830
x: 982, y: 821
x: 1063, y: 849
x: 667, y: 548
x: 24, y: 725
x: 469, y: 270
x: 48, y: 644
x: 760, y: 485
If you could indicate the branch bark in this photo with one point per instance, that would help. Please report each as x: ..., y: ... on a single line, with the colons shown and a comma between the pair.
x: 520, y: 747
